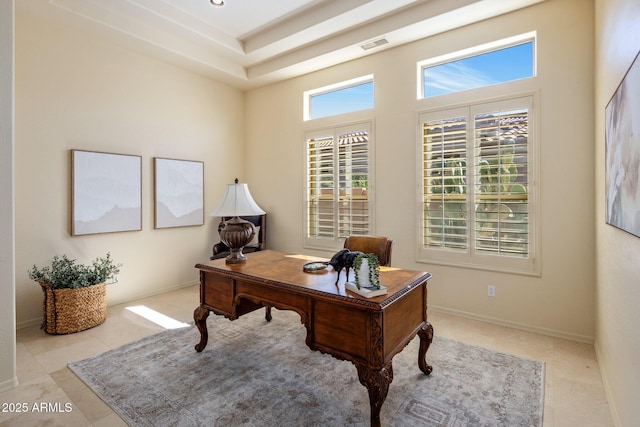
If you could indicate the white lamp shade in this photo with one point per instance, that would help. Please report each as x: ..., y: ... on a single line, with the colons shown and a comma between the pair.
x: 237, y: 201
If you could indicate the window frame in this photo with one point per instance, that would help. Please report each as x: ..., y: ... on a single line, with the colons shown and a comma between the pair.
x: 347, y: 84
x: 469, y: 257
x: 336, y: 242
x: 472, y: 52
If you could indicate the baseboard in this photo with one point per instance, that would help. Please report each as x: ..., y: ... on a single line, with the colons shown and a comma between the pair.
x: 157, y: 292
x: 8, y: 384
x: 607, y: 388
x: 29, y: 323
x: 37, y: 321
x: 514, y: 325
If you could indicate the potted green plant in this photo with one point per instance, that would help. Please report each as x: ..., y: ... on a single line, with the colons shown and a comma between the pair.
x: 74, y: 294
x: 367, y: 271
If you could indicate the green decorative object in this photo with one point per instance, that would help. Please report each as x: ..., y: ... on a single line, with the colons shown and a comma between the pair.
x: 371, y: 270
x: 65, y: 273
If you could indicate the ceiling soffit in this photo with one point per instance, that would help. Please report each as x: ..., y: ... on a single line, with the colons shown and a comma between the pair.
x: 289, y: 39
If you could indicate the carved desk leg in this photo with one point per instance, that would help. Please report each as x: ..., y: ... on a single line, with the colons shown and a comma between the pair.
x: 200, y: 317
x: 377, y: 384
x: 426, y: 336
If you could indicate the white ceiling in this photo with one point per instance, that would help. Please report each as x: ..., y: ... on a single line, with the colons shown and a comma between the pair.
x: 248, y: 43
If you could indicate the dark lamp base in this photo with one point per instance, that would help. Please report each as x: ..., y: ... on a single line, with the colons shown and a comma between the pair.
x: 236, y: 233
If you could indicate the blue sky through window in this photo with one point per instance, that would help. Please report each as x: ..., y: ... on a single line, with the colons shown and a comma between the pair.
x: 345, y: 100
x: 499, y: 66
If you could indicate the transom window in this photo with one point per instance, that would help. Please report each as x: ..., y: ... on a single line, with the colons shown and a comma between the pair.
x: 339, y: 98
x: 480, y: 66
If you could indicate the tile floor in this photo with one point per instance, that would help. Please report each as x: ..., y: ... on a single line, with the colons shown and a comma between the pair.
x: 574, y: 394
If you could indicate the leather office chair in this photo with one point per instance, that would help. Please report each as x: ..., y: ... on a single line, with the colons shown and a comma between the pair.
x: 220, y: 250
x: 379, y: 245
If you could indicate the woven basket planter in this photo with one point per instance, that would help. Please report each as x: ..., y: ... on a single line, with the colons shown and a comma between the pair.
x: 66, y: 311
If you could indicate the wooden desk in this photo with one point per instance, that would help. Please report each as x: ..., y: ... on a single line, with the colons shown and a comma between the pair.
x: 367, y: 332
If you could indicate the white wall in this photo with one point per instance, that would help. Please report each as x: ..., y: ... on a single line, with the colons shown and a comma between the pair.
x: 74, y: 91
x: 561, y: 300
x: 618, y: 253
x: 7, y: 239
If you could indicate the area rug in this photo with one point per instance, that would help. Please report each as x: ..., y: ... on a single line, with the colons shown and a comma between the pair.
x: 254, y: 373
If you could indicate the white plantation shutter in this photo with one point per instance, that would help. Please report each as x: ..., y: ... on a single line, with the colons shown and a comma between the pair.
x: 320, y: 187
x: 445, y: 183
x: 477, y: 185
x: 501, y: 180
x: 353, y: 164
x: 338, y: 183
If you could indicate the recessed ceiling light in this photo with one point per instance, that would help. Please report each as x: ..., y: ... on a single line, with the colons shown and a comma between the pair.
x: 217, y: 2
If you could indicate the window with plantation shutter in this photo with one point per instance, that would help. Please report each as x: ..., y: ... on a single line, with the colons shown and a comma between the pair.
x: 477, y: 185
x: 338, y: 184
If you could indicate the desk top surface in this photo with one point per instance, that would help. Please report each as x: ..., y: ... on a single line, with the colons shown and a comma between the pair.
x: 278, y: 268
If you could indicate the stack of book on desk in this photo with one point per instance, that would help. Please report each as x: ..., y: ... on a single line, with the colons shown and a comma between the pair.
x: 365, y: 292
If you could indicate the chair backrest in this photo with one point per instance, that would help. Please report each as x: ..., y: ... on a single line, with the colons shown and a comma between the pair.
x: 378, y: 245
x: 260, y: 222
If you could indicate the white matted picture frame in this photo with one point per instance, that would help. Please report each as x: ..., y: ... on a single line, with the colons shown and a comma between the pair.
x: 106, y: 192
x: 622, y: 153
x: 178, y: 192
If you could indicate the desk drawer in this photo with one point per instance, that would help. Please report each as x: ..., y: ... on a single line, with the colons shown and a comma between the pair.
x: 402, y: 318
x: 279, y: 297
x: 216, y: 292
x: 342, y: 329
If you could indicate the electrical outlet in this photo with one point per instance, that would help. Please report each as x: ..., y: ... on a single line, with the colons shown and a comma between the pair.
x: 491, y: 291
x: 113, y: 279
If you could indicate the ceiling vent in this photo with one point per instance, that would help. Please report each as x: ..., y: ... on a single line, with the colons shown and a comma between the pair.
x: 375, y: 43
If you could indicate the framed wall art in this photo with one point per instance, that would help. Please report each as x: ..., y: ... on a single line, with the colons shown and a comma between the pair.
x: 179, y: 192
x: 106, y: 192
x: 622, y: 153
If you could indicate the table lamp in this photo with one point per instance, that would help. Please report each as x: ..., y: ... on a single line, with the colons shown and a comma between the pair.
x: 237, y: 232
